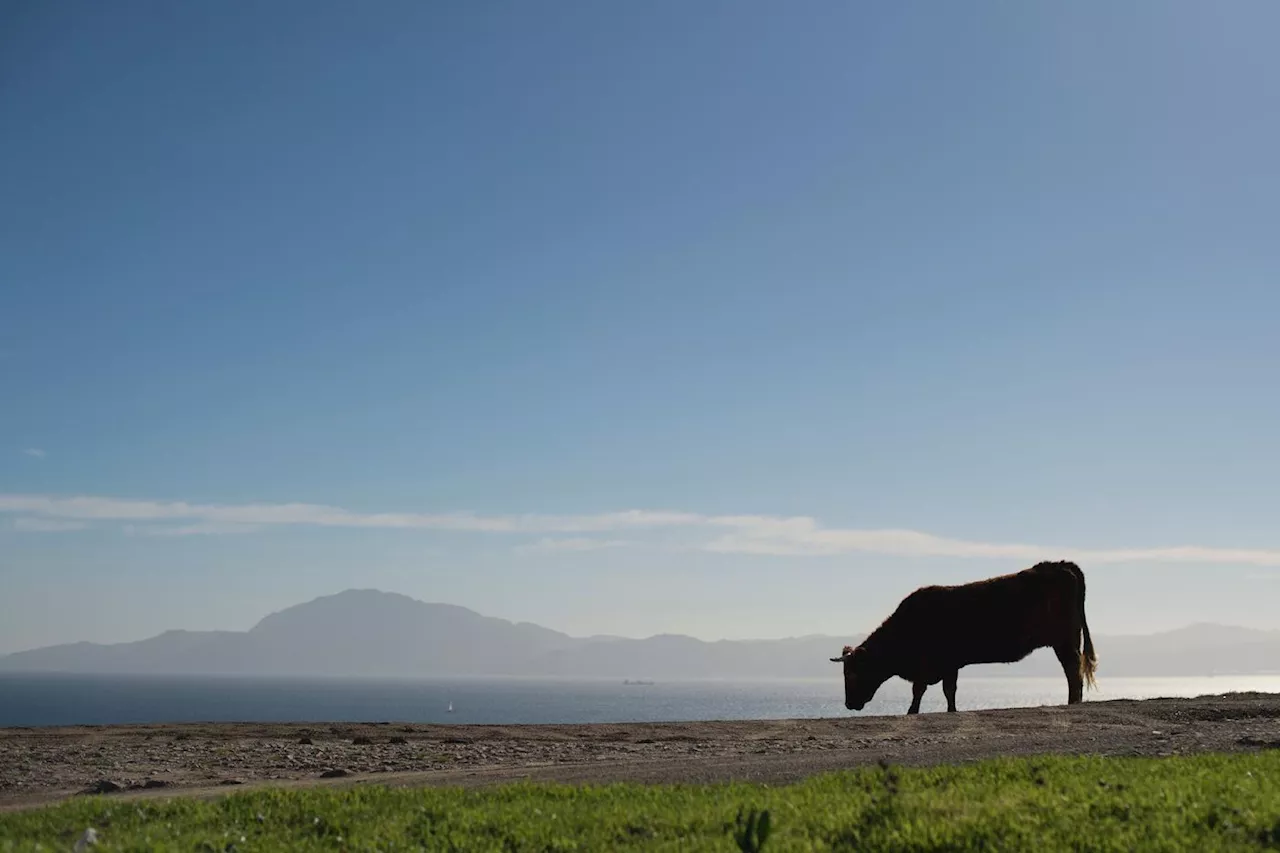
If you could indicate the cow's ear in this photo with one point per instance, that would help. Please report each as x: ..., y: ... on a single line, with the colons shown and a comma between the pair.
x: 838, y: 660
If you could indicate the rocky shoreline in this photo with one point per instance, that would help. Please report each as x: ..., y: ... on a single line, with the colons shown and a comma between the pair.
x: 42, y: 765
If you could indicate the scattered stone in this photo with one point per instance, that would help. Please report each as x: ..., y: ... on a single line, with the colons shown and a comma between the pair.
x: 154, y: 783
x: 231, y: 782
x: 336, y: 773
x: 399, y: 741
x: 362, y: 741
x: 103, y: 786
x: 306, y: 741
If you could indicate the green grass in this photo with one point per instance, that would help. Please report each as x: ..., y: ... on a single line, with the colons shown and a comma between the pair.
x: 1195, y: 803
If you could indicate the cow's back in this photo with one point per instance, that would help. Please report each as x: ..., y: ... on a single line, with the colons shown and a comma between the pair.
x: 997, y: 620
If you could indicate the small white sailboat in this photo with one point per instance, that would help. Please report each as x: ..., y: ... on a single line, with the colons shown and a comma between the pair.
x: 450, y: 707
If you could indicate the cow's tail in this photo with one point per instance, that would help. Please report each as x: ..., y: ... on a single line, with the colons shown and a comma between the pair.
x: 1088, y: 658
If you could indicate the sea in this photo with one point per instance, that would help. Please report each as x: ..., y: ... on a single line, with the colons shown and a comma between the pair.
x: 61, y: 700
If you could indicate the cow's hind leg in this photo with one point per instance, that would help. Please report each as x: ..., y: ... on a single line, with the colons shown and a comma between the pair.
x: 949, y: 689
x: 917, y: 693
x: 1069, y: 657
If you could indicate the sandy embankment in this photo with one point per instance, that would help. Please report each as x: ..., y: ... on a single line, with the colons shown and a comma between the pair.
x: 43, y: 765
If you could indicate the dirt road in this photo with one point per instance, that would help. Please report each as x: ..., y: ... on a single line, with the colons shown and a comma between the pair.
x: 43, y: 765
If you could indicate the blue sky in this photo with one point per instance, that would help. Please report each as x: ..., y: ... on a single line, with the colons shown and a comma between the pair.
x: 463, y: 284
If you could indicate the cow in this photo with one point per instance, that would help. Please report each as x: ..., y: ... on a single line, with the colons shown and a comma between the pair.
x: 936, y: 630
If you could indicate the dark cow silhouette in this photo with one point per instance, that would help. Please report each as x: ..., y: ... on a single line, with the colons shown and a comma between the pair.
x: 936, y: 630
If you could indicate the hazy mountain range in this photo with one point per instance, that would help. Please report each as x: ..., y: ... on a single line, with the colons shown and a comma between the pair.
x: 371, y: 633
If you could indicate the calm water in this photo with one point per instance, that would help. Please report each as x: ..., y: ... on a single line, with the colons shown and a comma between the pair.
x: 65, y: 700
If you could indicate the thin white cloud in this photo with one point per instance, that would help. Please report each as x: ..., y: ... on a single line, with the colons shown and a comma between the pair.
x: 122, y: 509
x: 35, y: 453
x: 46, y: 525
x: 803, y: 537
x: 201, y: 528
x: 796, y: 536
x: 575, y: 543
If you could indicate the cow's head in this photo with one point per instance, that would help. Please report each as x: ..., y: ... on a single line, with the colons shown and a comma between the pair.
x: 862, y: 678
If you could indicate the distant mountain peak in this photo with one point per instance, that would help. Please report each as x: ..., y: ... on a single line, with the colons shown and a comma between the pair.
x: 353, y: 595
x: 366, y: 592
x: 1215, y: 629
x: 357, y: 604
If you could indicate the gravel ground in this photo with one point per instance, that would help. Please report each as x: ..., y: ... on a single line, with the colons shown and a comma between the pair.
x: 43, y: 765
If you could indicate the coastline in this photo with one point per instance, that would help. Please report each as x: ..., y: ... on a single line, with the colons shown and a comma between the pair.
x: 45, y: 765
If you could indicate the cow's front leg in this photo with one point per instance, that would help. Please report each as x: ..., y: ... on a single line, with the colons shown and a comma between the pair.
x: 917, y: 693
x: 949, y: 689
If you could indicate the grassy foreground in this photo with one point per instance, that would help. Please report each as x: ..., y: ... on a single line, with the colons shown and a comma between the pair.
x: 1194, y: 803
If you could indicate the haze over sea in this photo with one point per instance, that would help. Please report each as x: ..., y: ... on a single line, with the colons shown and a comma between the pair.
x: 52, y: 700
